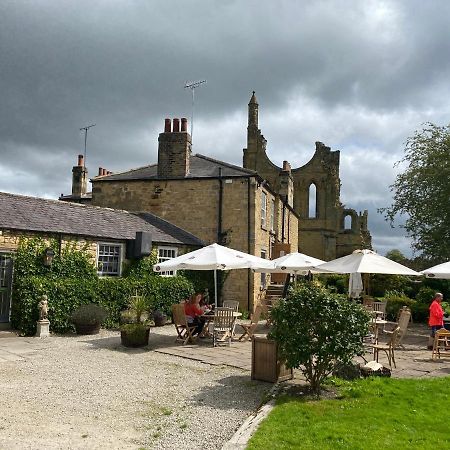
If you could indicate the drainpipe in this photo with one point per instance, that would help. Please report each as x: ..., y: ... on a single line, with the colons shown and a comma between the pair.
x: 248, y: 243
x: 219, y: 224
x: 282, y: 222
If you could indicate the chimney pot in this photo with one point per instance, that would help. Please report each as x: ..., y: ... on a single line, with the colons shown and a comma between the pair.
x: 176, y: 125
x: 184, y: 124
x: 100, y: 171
x: 80, y: 160
x: 167, y: 125
x: 103, y: 171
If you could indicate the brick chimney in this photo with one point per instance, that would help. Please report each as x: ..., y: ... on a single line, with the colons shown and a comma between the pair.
x: 79, y: 178
x: 174, y: 150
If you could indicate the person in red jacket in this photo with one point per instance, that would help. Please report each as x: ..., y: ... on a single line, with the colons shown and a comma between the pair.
x: 194, y: 313
x: 436, y: 320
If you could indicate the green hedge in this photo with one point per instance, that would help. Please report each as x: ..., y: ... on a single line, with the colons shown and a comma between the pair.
x: 66, y: 294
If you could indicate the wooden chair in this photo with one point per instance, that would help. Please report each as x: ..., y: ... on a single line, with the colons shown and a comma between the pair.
x: 250, y: 328
x: 379, y: 309
x: 402, y: 322
x: 184, y: 329
x: 223, y: 325
x: 441, y: 344
x: 234, y: 305
x: 388, y: 348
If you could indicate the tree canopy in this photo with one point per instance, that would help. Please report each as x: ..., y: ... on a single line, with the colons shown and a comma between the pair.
x: 422, y: 192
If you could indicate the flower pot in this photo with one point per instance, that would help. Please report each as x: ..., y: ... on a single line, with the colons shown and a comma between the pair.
x: 134, y: 335
x: 159, y: 318
x: 87, y: 328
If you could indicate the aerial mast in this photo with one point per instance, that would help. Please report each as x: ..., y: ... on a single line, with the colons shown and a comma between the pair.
x: 192, y: 85
x: 85, y: 129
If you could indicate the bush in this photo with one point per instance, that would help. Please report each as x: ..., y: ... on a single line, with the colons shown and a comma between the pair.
x: 65, y: 295
x: 89, y: 314
x: 316, y: 331
x: 425, y: 295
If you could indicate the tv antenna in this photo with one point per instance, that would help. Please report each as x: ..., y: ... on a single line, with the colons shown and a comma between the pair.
x: 192, y: 85
x: 85, y: 129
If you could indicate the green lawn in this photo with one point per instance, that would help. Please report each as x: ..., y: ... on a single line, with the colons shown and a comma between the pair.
x: 372, y: 413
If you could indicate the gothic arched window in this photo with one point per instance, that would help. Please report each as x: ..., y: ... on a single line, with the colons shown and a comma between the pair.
x: 312, y: 201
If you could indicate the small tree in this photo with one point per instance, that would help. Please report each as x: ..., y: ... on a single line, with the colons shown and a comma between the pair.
x: 316, y: 330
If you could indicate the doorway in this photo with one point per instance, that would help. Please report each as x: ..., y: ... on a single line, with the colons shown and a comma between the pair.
x: 6, y: 264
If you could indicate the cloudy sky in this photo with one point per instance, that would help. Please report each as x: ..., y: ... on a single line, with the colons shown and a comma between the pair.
x: 360, y: 76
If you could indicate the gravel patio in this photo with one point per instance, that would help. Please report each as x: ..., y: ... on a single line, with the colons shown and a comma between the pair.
x: 78, y: 392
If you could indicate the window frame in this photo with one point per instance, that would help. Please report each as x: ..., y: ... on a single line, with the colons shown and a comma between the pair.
x: 167, y: 273
x: 121, y: 247
x: 263, y: 209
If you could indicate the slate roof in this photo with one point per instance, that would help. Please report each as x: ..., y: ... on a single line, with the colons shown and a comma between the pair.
x: 52, y: 216
x: 200, y: 167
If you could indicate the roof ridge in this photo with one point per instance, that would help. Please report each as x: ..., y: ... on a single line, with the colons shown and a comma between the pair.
x: 126, y: 171
x: 64, y: 204
x: 232, y: 166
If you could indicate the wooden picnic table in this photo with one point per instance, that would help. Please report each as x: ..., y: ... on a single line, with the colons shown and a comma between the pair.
x: 210, y: 317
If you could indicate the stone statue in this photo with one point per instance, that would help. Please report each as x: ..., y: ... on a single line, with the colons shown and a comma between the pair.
x: 43, y: 308
x: 206, y: 297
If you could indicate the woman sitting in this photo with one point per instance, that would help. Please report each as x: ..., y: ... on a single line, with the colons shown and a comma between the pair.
x: 194, y: 313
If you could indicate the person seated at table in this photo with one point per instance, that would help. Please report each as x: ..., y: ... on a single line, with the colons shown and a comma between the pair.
x: 194, y: 313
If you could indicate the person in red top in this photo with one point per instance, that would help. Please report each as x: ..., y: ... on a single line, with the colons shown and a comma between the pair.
x: 436, y: 320
x: 194, y: 313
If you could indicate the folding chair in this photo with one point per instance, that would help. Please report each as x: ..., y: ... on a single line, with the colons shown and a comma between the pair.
x: 379, y: 309
x: 234, y: 305
x: 223, y: 325
x: 184, y: 329
x: 250, y: 328
x: 388, y: 348
x: 402, y: 322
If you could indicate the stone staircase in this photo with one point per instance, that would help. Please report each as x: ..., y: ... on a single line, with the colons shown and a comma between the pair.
x: 274, y: 292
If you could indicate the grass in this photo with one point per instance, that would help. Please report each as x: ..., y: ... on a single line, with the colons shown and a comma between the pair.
x: 372, y: 413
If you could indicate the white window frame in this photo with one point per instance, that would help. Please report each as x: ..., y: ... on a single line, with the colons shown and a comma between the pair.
x: 121, y: 256
x: 263, y: 255
x: 272, y: 215
x: 263, y: 209
x: 162, y: 258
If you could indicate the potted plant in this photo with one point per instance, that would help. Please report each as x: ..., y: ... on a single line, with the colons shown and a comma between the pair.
x: 159, y: 318
x: 88, y: 318
x: 134, y: 328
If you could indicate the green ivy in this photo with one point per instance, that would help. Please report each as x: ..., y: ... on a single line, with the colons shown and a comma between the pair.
x: 72, y: 281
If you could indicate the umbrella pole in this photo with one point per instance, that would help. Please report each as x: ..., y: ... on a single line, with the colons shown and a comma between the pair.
x: 215, y: 288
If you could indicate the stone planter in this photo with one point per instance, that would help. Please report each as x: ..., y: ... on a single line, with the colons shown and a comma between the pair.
x: 87, y: 328
x: 159, y: 318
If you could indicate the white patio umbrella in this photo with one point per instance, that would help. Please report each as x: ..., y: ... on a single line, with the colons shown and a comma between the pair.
x: 366, y: 261
x: 355, y: 285
x: 439, y: 271
x: 296, y: 263
x: 212, y: 257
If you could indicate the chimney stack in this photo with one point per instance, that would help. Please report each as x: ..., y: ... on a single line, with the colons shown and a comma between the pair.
x: 174, y: 150
x: 79, y: 178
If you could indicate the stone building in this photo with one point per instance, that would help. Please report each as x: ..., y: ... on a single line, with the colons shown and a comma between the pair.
x: 110, y: 236
x: 327, y: 229
x: 214, y: 200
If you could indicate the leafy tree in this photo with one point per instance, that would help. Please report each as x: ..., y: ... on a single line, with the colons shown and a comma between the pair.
x: 422, y: 191
x: 316, y: 330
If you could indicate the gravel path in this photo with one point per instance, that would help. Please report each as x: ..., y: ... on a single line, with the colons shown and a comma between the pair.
x: 89, y: 392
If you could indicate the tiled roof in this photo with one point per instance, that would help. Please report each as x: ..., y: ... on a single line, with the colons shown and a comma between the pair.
x: 52, y: 216
x: 200, y: 167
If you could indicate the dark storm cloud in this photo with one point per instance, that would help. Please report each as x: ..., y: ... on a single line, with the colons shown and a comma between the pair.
x: 359, y: 76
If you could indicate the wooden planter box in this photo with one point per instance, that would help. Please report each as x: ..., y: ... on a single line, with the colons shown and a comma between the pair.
x: 266, y: 365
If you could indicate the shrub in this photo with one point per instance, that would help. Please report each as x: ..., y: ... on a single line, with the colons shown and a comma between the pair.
x: 425, y: 295
x: 316, y: 330
x: 89, y: 314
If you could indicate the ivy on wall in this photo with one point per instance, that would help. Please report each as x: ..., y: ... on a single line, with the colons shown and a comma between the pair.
x: 72, y: 281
